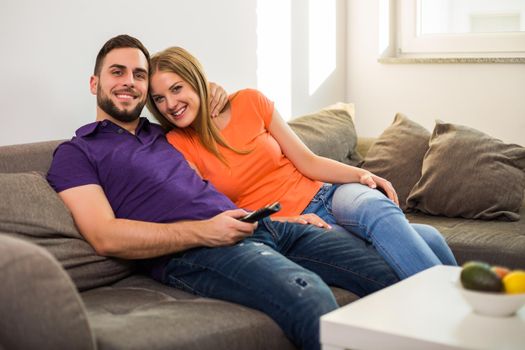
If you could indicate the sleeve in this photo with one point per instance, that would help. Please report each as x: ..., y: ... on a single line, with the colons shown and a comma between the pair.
x: 70, y: 168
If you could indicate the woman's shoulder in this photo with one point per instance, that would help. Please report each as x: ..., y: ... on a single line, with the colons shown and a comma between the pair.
x: 177, y: 135
x: 250, y: 97
x: 247, y: 93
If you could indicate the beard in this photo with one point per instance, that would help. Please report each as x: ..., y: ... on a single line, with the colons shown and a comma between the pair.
x: 122, y: 115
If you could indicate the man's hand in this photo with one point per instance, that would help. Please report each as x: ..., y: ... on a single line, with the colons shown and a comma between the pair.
x: 224, y: 229
x: 305, y: 219
x: 218, y: 99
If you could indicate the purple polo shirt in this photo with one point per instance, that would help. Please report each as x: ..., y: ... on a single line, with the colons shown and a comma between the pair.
x: 143, y: 176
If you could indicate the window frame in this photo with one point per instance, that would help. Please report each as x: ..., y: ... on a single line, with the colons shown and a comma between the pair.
x: 411, y: 44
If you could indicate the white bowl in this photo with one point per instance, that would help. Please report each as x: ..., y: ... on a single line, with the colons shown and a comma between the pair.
x: 492, y: 304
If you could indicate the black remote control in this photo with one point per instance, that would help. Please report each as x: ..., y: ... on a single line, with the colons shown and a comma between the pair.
x: 261, y: 213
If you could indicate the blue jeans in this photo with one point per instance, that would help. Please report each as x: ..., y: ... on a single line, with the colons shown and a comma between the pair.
x: 283, y: 270
x: 408, y: 248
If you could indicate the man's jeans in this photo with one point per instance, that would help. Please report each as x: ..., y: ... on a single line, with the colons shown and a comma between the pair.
x: 408, y: 248
x: 284, y: 271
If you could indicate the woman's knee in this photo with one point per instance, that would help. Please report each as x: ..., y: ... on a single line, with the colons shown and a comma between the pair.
x: 430, y: 234
x: 360, y: 199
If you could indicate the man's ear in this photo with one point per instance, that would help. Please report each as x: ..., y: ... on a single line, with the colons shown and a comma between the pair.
x: 93, y: 84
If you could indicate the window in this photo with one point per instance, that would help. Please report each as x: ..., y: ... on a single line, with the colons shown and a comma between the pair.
x: 458, y: 28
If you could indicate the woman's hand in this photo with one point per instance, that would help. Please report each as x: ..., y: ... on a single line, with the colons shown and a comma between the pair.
x: 218, y: 99
x: 305, y: 219
x: 374, y: 181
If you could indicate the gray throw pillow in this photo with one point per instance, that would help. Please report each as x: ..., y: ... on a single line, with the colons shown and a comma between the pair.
x: 397, y: 155
x: 30, y: 209
x: 469, y: 174
x: 330, y: 133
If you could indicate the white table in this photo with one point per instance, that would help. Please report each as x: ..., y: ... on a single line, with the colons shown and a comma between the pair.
x: 425, y: 311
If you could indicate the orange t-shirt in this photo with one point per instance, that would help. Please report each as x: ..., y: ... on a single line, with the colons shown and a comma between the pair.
x: 258, y: 178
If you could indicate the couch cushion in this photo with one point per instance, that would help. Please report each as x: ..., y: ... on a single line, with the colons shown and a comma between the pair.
x: 30, y: 209
x: 470, y: 174
x: 153, y: 318
x: 495, y: 242
x: 397, y: 155
x: 139, y: 313
x: 330, y: 133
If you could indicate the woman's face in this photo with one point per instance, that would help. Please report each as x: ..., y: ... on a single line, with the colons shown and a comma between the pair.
x: 174, y: 98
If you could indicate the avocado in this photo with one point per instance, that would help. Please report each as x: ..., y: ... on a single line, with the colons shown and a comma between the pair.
x: 479, y: 276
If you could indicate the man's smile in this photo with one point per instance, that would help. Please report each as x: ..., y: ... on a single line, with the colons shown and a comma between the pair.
x: 126, y: 95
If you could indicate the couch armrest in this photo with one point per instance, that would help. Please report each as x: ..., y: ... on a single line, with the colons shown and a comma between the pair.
x: 39, y: 304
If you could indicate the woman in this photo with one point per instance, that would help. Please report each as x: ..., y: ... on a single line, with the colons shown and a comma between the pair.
x: 249, y: 153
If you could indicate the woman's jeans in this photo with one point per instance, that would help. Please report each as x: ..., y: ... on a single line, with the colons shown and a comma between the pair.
x: 366, y: 212
x: 284, y: 270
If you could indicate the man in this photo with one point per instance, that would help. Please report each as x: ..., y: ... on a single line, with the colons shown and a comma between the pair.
x: 133, y: 196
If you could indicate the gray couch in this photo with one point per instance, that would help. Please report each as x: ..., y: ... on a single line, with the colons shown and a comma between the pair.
x: 53, y: 299
x: 493, y: 241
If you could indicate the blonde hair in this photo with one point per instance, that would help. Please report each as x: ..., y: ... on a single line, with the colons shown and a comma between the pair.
x: 179, y: 61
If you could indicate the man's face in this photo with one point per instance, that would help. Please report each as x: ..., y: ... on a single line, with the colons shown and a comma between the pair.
x: 122, y: 86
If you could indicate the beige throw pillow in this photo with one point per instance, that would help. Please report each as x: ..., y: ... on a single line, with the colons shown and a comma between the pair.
x: 330, y: 133
x: 397, y: 155
x: 470, y: 174
x: 30, y: 209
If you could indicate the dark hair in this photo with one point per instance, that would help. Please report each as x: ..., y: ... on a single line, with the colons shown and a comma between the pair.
x: 118, y: 42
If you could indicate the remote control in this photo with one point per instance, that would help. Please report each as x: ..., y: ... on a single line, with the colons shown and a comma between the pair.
x: 261, y: 213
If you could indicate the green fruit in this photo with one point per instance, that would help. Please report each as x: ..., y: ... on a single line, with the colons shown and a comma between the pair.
x: 476, y: 263
x: 479, y: 276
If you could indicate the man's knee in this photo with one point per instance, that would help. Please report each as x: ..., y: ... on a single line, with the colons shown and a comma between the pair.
x: 307, y: 291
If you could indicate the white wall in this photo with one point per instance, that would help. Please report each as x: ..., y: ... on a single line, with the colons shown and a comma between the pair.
x: 488, y: 97
x: 48, y: 50
x: 333, y: 89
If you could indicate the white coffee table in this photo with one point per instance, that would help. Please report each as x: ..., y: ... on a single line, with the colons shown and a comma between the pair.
x: 425, y: 311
